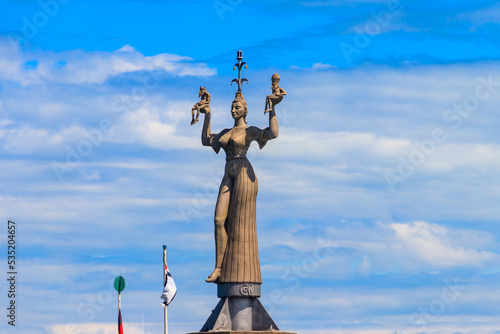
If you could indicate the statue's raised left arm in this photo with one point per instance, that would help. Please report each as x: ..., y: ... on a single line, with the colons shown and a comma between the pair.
x: 273, y: 130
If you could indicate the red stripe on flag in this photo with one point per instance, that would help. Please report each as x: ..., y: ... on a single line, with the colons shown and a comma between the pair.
x: 120, y: 324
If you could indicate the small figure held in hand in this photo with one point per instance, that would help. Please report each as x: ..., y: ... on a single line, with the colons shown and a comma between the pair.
x: 202, y: 106
x: 276, y: 96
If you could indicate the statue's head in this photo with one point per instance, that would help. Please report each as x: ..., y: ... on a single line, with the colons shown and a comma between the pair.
x: 203, y: 90
x: 275, y: 77
x: 239, y: 107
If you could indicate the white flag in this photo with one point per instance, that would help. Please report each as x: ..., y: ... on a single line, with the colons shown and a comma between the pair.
x: 169, y: 289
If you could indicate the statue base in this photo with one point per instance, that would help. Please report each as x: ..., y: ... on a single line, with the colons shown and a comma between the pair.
x: 239, y: 311
x: 247, y: 332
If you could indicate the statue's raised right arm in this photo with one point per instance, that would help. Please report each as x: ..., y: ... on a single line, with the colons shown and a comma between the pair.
x: 206, y: 134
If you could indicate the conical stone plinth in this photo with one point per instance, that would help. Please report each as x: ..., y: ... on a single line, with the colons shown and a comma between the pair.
x: 240, y: 311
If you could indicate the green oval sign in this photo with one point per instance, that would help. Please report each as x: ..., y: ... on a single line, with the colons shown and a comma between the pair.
x: 119, y: 284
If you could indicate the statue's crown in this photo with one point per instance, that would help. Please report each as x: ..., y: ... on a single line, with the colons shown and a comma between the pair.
x: 239, y: 65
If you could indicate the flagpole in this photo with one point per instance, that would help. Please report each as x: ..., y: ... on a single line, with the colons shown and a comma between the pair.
x: 165, y: 315
x: 119, y: 285
x: 119, y: 309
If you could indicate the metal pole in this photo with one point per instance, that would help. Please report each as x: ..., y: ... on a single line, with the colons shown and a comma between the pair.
x: 165, y: 331
x: 119, y: 305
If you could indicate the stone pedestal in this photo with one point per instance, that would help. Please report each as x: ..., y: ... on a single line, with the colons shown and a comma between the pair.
x: 248, y: 332
x: 239, y: 311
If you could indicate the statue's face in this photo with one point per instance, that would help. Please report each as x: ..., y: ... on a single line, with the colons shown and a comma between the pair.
x: 237, y: 110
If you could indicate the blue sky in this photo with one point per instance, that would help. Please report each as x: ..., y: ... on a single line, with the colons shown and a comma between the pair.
x: 378, y: 203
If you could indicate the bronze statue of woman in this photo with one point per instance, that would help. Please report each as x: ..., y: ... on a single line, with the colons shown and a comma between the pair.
x: 237, y: 256
x: 237, y: 266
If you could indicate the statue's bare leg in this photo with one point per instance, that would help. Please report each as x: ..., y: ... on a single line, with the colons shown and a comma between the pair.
x: 269, y: 102
x: 221, y: 210
x: 192, y: 113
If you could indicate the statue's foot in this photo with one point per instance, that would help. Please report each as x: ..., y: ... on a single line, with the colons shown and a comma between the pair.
x: 194, y: 121
x: 214, y: 277
x: 268, y: 110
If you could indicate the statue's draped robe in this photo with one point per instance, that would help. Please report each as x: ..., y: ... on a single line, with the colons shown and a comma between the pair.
x: 241, y: 260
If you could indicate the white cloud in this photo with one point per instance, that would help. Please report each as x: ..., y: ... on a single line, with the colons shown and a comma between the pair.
x: 96, y: 328
x: 24, y: 139
x: 434, y: 245
x: 156, y: 126
x: 336, y: 144
x: 470, y: 328
x: 482, y: 16
x: 84, y: 67
x: 350, y: 249
x: 453, y: 156
x: 321, y: 66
